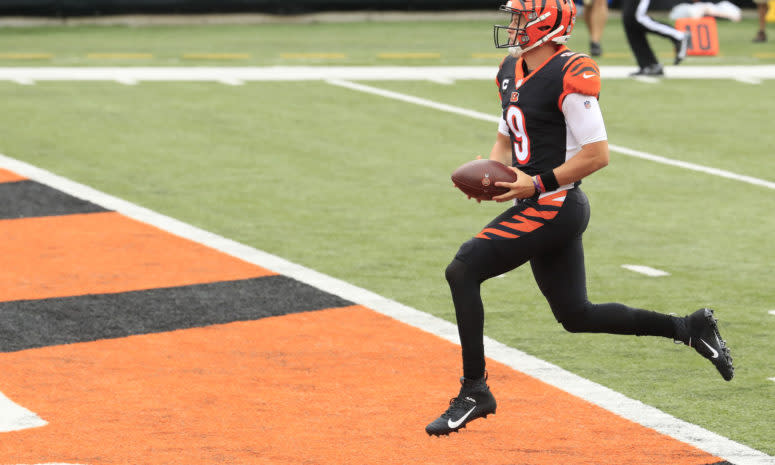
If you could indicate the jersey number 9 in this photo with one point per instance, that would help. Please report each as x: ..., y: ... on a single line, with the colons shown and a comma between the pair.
x: 516, y: 122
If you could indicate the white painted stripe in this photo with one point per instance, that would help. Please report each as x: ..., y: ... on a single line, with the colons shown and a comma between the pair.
x: 415, y: 100
x: 602, y: 396
x: 692, y: 166
x: 771, y: 379
x: 496, y: 119
x: 444, y: 81
x: 231, y: 82
x: 771, y: 312
x: 647, y: 270
x: 357, y: 73
x: 647, y: 79
x: 14, y: 417
x: 749, y: 80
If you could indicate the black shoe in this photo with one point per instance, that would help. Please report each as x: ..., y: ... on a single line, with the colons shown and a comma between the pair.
x: 595, y: 49
x: 760, y: 37
x: 700, y: 330
x: 681, y: 46
x: 650, y: 70
x: 474, y: 401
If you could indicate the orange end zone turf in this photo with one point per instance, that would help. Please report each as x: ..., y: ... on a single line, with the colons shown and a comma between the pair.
x: 9, y: 176
x: 97, y: 253
x: 340, y: 386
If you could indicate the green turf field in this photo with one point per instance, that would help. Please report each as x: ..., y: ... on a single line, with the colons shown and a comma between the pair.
x: 357, y: 186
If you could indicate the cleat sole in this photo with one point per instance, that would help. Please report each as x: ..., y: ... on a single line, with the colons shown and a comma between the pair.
x: 724, y: 353
x: 457, y: 430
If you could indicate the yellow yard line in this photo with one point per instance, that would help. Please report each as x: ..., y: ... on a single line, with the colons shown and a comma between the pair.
x: 25, y: 56
x: 119, y: 55
x: 302, y: 56
x: 413, y: 56
x: 216, y: 56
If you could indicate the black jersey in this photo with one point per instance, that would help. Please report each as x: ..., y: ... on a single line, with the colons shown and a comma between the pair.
x: 532, y: 105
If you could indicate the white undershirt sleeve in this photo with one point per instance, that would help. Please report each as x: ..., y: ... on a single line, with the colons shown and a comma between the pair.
x: 503, y: 128
x: 583, y: 120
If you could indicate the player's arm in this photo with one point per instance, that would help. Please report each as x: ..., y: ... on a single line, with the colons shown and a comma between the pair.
x: 581, y: 89
x: 585, y: 121
x: 592, y: 157
x: 501, y: 149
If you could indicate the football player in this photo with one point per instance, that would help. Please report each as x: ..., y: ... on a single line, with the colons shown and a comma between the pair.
x: 552, y: 136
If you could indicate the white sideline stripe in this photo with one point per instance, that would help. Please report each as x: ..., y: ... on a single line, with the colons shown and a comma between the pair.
x: 14, y: 417
x: 414, y: 100
x: 127, y: 82
x: 597, y: 394
x: 693, y: 167
x: 647, y: 79
x: 771, y: 312
x: 749, y: 80
x: 496, y: 119
x: 647, y: 270
x: 357, y: 73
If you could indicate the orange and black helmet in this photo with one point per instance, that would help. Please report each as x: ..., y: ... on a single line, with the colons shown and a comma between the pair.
x: 535, y: 22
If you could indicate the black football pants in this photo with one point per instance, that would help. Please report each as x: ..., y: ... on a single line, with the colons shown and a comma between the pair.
x: 637, y: 24
x: 556, y: 256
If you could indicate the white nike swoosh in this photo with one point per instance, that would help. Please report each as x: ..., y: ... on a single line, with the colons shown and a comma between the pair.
x: 715, y: 353
x: 587, y: 76
x: 455, y: 424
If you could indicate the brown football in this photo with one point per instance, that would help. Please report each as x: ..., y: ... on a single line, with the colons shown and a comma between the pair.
x: 477, y: 178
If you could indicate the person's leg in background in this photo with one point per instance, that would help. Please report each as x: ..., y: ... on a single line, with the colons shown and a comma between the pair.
x: 762, y: 6
x: 636, y: 37
x: 596, y: 16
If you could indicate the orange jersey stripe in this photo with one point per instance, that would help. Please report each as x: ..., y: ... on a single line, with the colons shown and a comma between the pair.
x: 556, y: 199
x: 547, y: 215
x: 497, y: 232
x: 524, y: 225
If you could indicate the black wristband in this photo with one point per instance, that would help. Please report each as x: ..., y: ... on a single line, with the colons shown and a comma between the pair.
x: 549, y: 181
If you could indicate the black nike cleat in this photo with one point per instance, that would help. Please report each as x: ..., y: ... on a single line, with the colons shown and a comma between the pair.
x: 702, y: 334
x: 474, y: 401
x: 650, y: 70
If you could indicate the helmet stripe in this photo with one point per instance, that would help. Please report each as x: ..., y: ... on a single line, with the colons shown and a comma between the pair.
x: 558, y: 21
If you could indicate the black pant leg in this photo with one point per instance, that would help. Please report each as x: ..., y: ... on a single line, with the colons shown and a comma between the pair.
x: 636, y: 35
x: 480, y: 259
x: 560, y: 274
x: 556, y: 254
x: 476, y: 261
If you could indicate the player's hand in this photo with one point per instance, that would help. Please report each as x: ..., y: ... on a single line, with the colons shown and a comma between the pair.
x: 522, y: 188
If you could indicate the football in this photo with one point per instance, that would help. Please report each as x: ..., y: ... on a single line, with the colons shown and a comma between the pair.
x: 477, y: 178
